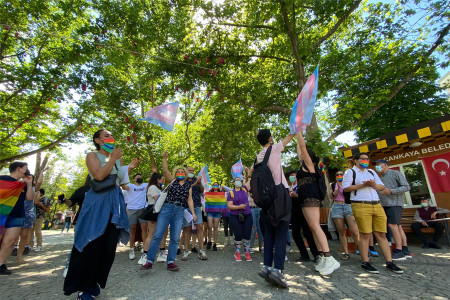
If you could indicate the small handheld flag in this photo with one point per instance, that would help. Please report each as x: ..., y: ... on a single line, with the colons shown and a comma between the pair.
x: 237, y: 168
x: 303, y: 108
x: 205, y: 176
x: 163, y: 115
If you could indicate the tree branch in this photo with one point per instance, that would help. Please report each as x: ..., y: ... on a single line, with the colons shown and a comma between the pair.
x: 33, y: 73
x: 259, y: 56
x: 402, y: 84
x: 49, y: 146
x: 249, y: 26
x: 336, y: 26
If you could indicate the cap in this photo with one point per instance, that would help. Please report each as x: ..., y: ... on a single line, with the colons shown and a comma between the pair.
x: 424, y: 198
x: 381, y: 161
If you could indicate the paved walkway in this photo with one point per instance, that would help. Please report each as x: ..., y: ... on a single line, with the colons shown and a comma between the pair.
x: 426, y: 277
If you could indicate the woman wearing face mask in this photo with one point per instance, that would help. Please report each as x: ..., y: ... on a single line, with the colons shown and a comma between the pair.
x: 213, y: 221
x: 154, y: 188
x: 179, y: 197
x: 341, y: 212
x: 102, y: 222
x: 241, y: 219
x: 308, y: 193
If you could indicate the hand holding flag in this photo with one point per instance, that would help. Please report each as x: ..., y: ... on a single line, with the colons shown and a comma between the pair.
x: 237, y: 168
x: 303, y: 108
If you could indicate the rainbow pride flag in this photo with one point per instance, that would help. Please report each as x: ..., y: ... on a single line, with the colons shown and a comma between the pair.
x: 9, y: 194
x: 216, y: 202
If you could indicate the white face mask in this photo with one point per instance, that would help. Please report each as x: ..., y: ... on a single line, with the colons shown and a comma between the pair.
x: 190, y: 175
x: 238, y: 183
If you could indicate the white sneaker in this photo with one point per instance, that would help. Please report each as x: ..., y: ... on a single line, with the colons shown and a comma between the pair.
x: 38, y: 248
x: 319, y: 265
x: 329, y: 266
x: 162, y: 257
x: 202, y: 255
x: 65, y: 272
x: 143, y: 259
x: 185, y: 255
x: 226, y: 241
x: 131, y: 255
x: 288, y: 248
x: 285, y: 257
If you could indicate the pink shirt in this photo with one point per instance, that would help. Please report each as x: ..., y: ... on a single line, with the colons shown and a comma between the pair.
x: 274, y: 163
x: 340, y: 195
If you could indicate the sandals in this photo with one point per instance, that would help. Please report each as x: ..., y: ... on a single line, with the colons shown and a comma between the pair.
x: 345, y: 256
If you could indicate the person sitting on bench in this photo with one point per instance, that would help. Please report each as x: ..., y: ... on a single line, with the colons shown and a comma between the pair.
x: 422, y: 217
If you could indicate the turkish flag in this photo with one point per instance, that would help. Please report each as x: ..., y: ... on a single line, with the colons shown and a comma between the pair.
x: 438, y: 171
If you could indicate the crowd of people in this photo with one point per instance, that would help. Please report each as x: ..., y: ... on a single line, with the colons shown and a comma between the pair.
x: 365, y: 201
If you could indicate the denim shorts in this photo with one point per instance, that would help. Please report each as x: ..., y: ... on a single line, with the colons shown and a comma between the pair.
x: 341, y: 211
x: 198, y: 213
x: 216, y: 215
x: 14, y: 222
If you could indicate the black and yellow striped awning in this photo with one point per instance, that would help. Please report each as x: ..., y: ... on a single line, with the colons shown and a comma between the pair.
x: 422, y: 131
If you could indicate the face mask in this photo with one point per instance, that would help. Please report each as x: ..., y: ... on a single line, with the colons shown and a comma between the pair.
x: 292, y: 179
x: 180, y: 176
x: 424, y: 204
x: 364, y: 164
x: 340, y: 178
x: 378, y: 169
x: 238, y: 183
x: 190, y: 175
x: 139, y: 180
x: 109, y: 145
x: 215, y: 186
x: 161, y: 184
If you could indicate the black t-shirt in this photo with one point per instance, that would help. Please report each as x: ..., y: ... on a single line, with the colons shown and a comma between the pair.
x: 195, y: 193
x: 18, y: 210
x: 78, y: 198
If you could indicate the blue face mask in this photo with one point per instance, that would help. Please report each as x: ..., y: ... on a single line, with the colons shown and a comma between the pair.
x: 378, y: 169
x: 292, y: 179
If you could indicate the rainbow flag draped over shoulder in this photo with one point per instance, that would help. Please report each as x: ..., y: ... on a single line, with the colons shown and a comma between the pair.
x: 216, y: 202
x: 9, y: 194
x: 163, y: 115
x: 304, y: 105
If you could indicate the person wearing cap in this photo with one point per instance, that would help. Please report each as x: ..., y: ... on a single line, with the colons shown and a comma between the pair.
x: 423, y: 218
x: 370, y: 217
x: 392, y: 199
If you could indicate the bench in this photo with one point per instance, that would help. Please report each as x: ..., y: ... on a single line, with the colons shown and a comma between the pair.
x: 408, y: 220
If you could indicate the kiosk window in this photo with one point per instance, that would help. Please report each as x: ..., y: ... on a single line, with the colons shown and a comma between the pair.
x: 415, y: 175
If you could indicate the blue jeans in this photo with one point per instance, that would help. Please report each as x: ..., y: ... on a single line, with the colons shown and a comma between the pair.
x: 256, y: 213
x: 288, y: 237
x: 173, y: 215
x: 242, y: 230
x: 275, y: 237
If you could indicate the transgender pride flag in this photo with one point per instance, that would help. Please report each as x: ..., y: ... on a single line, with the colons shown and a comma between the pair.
x: 237, y: 168
x: 163, y: 115
x: 205, y: 176
x: 304, y: 105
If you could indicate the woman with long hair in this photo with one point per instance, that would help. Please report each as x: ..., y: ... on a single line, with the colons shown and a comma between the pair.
x: 308, y: 194
x: 102, y: 222
x: 179, y: 197
x: 154, y: 189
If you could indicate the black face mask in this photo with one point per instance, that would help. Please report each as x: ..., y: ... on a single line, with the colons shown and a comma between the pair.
x: 139, y: 180
x: 27, y: 173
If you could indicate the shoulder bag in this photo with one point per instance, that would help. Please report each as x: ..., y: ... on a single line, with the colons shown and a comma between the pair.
x: 105, y: 185
x: 161, y: 198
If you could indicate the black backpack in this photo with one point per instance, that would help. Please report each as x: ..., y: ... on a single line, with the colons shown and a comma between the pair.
x: 320, y: 181
x: 348, y: 194
x: 262, y: 185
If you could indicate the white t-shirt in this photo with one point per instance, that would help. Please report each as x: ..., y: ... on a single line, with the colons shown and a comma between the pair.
x: 136, y: 196
x: 152, y: 192
x: 366, y: 193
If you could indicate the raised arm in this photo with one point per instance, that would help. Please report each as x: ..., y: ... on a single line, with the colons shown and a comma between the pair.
x: 303, y: 153
x: 40, y: 179
x: 169, y: 177
x: 133, y: 165
x: 94, y: 167
x: 287, y: 139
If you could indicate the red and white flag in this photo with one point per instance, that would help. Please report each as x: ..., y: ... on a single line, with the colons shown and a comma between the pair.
x: 438, y: 172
